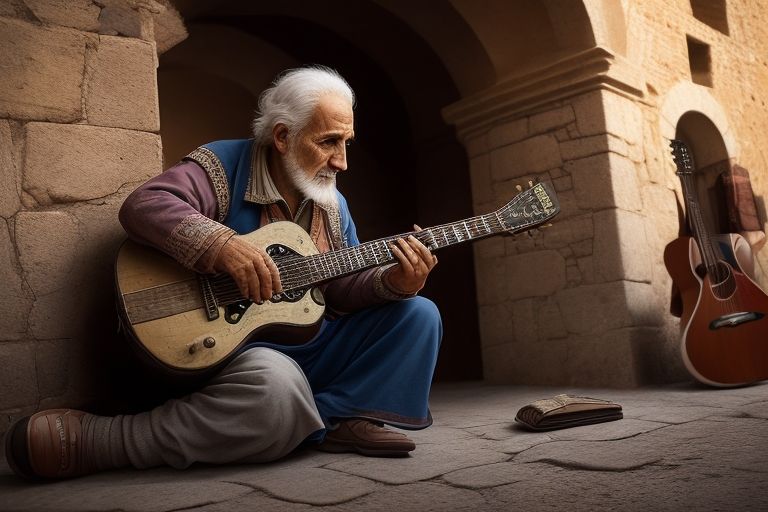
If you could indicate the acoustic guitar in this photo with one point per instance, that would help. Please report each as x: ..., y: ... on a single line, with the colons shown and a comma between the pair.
x: 193, y: 323
x: 723, y: 323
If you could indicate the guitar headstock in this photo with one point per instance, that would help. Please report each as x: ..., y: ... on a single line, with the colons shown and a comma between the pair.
x: 530, y: 208
x: 682, y: 157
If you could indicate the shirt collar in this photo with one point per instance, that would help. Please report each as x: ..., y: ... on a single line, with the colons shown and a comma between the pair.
x: 261, y: 188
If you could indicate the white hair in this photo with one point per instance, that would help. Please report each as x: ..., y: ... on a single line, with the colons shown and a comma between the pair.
x: 293, y: 97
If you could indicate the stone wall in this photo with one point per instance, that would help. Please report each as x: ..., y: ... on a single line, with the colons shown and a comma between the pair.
x: 586, y: 301
x: 78, y: 131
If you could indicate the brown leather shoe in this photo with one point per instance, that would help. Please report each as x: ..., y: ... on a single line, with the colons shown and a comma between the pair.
x: 366, y: 438
x: 49, y: 444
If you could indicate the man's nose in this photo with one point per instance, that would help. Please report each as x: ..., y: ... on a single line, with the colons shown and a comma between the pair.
x: 339, y: 159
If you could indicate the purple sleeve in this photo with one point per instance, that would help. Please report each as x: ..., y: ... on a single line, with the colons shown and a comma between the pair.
x: 359, y: 291
x: 174, y: 213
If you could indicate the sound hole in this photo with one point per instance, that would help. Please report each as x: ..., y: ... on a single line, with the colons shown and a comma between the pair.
x: 723, y: 282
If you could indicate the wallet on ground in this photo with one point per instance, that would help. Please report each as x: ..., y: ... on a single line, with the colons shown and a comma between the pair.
x: 563, y: 411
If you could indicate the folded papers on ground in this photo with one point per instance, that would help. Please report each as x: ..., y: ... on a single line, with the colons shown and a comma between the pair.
x: 563, y: 411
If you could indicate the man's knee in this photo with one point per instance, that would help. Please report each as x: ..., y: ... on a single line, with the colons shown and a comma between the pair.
x: 423, y: 312
x: 267, y: 371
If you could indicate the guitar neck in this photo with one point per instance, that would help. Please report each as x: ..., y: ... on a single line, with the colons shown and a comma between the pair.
x: 304, y: 272
x: 696, y: 222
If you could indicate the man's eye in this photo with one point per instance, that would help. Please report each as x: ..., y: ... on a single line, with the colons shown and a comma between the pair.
x: 328, y: 142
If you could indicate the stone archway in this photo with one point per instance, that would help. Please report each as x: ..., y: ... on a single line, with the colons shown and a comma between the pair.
x: 408, y: 164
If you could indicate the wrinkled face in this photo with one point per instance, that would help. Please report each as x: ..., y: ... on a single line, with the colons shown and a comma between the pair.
x: 319, y: 151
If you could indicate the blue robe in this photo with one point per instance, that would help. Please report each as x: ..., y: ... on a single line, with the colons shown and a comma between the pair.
x: 376, y: 363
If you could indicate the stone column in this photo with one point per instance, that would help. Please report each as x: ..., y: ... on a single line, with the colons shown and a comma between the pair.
x: 79, y: 129
x: 579, y: 302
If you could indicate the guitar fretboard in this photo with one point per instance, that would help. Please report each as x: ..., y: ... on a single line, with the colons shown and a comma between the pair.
x: 303, y: 272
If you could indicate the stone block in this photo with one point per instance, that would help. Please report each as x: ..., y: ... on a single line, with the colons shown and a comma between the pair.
x: 621, y: 249
x: 132, y: 19
x: 476, y: 145
x: 534, y: 274
x: 534, y: 155
x: 550, y: 120
x: 122, y: 85
x: 18, y: 380
x: 10, y: 184
x: 79, y: 14
x: 507, y: 133
x: 66, y: 163
x: 15, y: 296
x: 50, y: 247
x: 588, y: 146
x: 169, y: 29
x: 526, y: 328
x: 563, y: 183
x: 538, y: 363
x: 606, y: 180
x: 590, y: 114
x: 480, y: 177
x: 582, y: 248
x: 603, y: 307
x: 623, y: 118
x: 42, y: 72
x: 496, y: 324
x: 569, y: 231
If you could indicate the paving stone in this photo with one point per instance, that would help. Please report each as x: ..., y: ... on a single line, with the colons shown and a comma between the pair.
x: 432, y: 460
x: 420, y: 497
x: 112, y: 492
x: 757, y: 410
x: 523, y: 441
x: 314, y: 486
x: 595, y: 456
x: 672, y: 413
x: 611, y: 430
x: 493, y: 475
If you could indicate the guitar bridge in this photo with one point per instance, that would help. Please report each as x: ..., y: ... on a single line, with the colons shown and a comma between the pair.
x: 735, y: 319
x: 209, y: 298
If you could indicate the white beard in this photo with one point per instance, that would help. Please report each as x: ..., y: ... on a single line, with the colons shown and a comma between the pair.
x: 321, y: 189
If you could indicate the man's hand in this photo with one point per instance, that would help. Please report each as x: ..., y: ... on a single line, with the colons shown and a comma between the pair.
x: 414, y: 264
x: 254, y: 272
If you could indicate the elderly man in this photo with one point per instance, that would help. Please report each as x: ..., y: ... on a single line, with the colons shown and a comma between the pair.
x: 371, y: 362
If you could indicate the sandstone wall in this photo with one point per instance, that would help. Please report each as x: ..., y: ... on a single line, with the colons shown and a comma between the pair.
x: 586, y: 301
x: 78, y: 131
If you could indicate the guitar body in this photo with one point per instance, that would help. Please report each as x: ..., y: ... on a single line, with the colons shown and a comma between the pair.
x: 724, y: 332
x: 163, y: 308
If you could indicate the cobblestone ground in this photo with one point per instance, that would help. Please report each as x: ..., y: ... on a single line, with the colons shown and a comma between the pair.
x: 677, y: 448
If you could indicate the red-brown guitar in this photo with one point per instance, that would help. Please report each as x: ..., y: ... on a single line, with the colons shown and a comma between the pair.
x: 724, y: 324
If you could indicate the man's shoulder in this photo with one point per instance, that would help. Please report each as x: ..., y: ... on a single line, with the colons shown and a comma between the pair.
x: 228, y: 148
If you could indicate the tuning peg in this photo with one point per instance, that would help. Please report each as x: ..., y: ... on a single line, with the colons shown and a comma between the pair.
x: 519, y: 188
x: 546, y: 225
x: 530, y: 183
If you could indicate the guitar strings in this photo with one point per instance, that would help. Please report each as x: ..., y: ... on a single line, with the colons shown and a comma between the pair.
x: 336, y: 262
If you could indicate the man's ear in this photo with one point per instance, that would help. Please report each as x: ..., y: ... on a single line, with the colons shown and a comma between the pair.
x: 280, y: 137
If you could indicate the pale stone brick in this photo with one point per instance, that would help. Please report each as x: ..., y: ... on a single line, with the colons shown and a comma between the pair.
x: 568, y: 231
x: 480, y: 177
x: 588, y: 146
x: 15, y: 299
x: 79, y: 14
x: 620, y: 246
x: 122, y: 90
x: 42, y: 72
x: 606, y: 180
x: 67, y: 163
x: 548, y: 121
x: 132, y: 19
x: 624, y: 118
x: 18, y: 378
x: 10, y: 184
x: 534, y: 274
x: 530, y: 156
x: 590, y: 115
x: 507, y: 133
